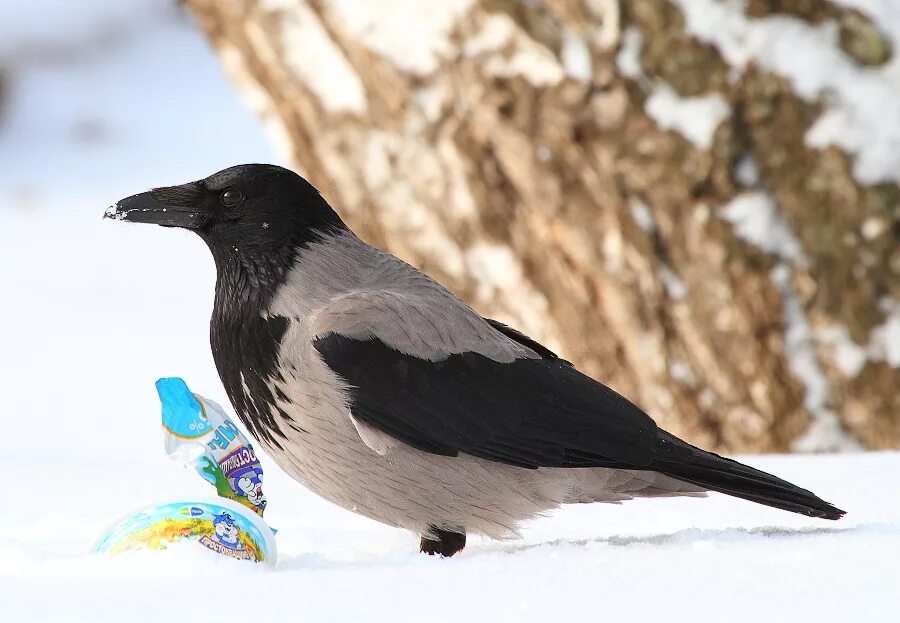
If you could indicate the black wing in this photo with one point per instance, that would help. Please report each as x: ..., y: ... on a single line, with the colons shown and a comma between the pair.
x: 530, y: 413
x: 533, y: 413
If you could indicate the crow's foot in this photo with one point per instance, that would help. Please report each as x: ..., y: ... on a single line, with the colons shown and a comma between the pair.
x: 446, y: 544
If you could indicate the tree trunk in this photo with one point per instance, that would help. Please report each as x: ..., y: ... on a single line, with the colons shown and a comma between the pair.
x: 618, y: 181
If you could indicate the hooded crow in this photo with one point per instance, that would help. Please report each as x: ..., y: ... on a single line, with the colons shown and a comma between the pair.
x: 374, y: 386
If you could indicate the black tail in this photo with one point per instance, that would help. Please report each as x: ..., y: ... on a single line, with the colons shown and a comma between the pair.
x: 685, y: 462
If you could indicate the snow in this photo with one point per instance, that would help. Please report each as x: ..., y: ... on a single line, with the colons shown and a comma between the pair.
x: 883, y: 344
x: 746, y: 171
x: 884, y: 341
x: 84, y: 444
x: 412, y: 34
x: 682, y: 373
x: 576, y: 56
x: 862, y: 115
x: 318, y: 60
x: 696, y: 118
x: 642, y: 216
x: 849, y: 357
x: 628, y: 59
x: 528, y: 59
x: 673, y: 285
x: 756, y: 219
x: 682, y: 559
x: 97, y: 310
x: 825, y: 432
x: 862, y: 104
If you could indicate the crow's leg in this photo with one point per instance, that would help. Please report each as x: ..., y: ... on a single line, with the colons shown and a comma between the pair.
x: 446, y: 544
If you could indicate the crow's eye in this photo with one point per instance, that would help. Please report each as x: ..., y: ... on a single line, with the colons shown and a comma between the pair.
x: 231, y: 198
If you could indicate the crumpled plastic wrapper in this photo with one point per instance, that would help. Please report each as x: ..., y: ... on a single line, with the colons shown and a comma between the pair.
x: 198, y: 433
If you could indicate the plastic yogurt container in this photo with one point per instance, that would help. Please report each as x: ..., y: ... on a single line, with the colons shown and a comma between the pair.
x: 218, y: 524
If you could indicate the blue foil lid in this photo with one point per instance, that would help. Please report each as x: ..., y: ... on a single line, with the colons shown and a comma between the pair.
x: 182, y: 414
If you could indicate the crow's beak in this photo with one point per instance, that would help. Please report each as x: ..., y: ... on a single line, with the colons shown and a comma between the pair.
x: 145, y: 208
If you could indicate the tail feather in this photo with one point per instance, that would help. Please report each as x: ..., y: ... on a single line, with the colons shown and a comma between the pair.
x: 683, y: 461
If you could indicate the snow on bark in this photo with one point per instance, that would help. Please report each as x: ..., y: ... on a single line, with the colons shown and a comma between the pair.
x: 412, y: 34
x: 318, y: 62
x: 696, y: 118
x: 862, y: 114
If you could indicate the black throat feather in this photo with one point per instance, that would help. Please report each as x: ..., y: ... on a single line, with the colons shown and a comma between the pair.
x: 245, y: 339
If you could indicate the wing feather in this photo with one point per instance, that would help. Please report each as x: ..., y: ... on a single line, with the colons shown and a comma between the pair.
x: 529, y: 412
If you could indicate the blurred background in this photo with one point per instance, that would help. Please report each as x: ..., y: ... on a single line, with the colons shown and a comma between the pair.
x: 696, y: 202
x: 99, y: 100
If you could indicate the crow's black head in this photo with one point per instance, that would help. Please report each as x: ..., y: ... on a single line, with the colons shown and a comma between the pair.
x: 256, y: 219
x: 250, y: 208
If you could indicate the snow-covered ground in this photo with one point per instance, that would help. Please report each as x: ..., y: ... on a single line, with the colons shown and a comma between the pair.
x: 93, y: 312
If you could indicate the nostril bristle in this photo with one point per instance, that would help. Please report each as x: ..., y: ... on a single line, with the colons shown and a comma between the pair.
x: 183, y: 195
